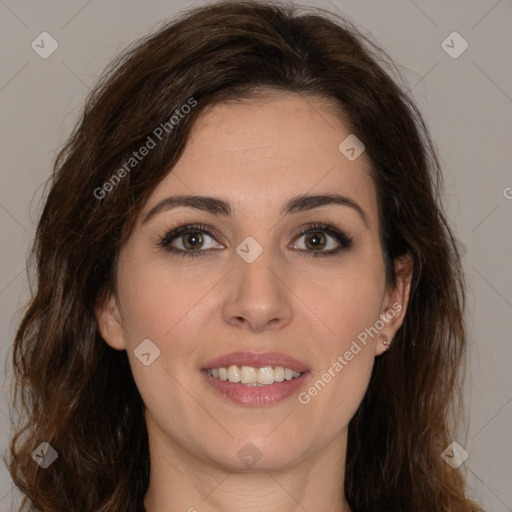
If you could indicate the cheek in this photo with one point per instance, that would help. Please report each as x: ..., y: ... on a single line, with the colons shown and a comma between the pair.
x: 158, y: 305
x: 347, y: 389
x: 349, y: 305
x: 345, y: 361
x: 157, y: 298
x: 349, y: 302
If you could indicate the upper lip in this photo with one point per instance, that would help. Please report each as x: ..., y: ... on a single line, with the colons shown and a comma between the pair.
x: 257, y: 360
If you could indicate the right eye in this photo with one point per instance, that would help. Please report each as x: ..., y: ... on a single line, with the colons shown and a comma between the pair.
x: 188, y: 240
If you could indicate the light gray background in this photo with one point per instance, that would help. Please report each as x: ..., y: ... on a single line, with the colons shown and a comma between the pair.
x: 467, y: 103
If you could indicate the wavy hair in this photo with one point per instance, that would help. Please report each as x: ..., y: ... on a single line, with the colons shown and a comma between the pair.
x: 78, y: 394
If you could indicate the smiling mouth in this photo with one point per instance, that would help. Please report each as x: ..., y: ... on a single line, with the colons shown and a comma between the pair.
x: 252, y: 376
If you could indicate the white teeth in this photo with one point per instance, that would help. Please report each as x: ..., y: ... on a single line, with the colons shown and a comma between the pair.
x: 266, y: 375
x: 234, y: 374
x: 248, y: 375
x: 251, y: 376
x: 279, y: 374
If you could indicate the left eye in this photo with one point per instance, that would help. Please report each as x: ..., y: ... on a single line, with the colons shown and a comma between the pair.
x: 317, y: 240
x: 317, y: 244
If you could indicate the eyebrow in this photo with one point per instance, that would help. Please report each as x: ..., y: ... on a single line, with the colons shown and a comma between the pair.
x: 218, y: 206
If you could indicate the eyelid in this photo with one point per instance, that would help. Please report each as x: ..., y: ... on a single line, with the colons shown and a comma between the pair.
x: 180, y: 229
x: 345, y: 241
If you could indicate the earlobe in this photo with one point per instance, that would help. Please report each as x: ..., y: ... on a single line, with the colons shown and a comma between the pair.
x: 109, y: 322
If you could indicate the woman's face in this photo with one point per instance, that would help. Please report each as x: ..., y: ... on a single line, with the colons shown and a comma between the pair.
x: 255, y: 292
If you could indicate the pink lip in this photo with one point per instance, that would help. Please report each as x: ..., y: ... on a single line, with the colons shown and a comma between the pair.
x: 256, y: 395
x: 256, y: 360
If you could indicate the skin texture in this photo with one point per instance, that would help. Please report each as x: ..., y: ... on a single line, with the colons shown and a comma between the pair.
x: 257, y: 155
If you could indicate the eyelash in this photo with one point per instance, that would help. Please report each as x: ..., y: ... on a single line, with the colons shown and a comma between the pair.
x: 345, y: 241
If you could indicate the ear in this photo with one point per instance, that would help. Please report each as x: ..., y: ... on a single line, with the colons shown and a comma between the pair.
x: 394, y: 304
x: 109, y: 321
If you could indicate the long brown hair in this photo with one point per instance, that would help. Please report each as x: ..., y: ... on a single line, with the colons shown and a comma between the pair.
x: 75, y: 392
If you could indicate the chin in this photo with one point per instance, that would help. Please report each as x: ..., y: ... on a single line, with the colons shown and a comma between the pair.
x: 259, y: 453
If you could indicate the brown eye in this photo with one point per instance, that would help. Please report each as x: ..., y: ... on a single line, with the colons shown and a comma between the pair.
x: 321, y: 240
x: 315, y: 240
x: 192, y: 240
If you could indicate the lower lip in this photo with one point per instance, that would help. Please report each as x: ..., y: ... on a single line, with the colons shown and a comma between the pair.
x: 256, y: 395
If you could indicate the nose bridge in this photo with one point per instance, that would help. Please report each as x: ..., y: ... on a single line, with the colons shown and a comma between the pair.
x: 259, y: 295
x: 258, y: 268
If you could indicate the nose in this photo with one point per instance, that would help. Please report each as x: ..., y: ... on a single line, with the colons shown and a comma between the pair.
x: 258, y: 296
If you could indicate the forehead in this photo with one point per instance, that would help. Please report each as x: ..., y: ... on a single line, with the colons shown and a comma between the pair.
x: 256, y: 153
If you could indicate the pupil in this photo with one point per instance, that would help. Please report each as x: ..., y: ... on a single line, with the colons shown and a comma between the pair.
x: 314, y: 240
x: 193, y: 240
